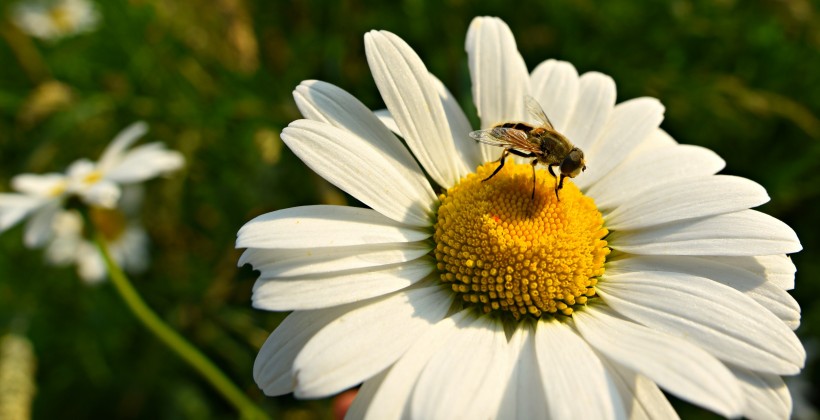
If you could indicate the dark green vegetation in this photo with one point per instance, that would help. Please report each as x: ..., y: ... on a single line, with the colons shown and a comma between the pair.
x: 214, y: 80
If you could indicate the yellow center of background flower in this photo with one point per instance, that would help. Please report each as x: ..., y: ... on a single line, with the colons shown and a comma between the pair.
x: 504, y: 251
x: 92, y: 177
x: 61, y: 18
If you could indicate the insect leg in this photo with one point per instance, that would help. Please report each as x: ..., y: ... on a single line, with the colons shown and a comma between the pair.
x: 557, y: 183
x: 551, y: 172
x: 534, y: 162
x: 522, y: 154
x: 501, y: 159
x: 559, y: 186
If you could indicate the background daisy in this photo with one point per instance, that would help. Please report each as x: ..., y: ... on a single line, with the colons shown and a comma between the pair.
x: 125, y: 238
x: 40, y: 197
x: 55, y: 19
x: 665, y: 308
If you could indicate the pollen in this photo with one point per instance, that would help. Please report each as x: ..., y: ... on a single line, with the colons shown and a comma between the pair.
x: 92, y: 177
x: 61, y: 17
x: 58, y: 189
x: 504, y: 251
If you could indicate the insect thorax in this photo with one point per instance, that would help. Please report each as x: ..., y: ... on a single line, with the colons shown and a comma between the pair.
x: 554, y: 146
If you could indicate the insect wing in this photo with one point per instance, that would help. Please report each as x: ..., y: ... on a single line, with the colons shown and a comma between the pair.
x: 535, y: 110
x: 505, y: 137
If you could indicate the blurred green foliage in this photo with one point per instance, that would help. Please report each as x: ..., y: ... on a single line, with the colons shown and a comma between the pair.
x: 214, y: 80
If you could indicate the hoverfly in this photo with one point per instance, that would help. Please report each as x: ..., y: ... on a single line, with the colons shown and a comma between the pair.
x: 540, y: 142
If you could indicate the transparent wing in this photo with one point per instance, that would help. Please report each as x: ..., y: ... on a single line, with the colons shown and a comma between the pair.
x: 505, y: 137
x: 535, y: 110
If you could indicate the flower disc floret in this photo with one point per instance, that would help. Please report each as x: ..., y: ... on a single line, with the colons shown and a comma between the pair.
x: 503, y: 250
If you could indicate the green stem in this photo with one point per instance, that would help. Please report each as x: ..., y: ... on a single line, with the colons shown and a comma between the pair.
x: 184, y: 349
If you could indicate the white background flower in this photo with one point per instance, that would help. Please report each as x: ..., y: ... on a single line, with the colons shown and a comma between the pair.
x: 126, y: 239
x: 40, y: 197
x: 99, y: 183
x: 55, y: 19
x: 694, y: 298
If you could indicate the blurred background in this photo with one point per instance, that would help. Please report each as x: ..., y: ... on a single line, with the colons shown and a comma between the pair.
x: 213, y: 78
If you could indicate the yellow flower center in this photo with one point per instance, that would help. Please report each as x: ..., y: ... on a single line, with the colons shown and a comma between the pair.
x: 58, y: 189
x: 61, y: 18
x: 92, y: 177
x: 504, y: 251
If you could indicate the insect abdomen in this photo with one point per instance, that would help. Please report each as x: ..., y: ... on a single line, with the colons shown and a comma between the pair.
x: 517, y: 125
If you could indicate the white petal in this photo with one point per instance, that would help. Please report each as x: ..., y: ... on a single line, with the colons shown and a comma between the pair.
x: 43, y: 186
x: 452, y: 385
x: 68, y: 223
x: 38, y: 229
x: 576, y: 377
x: 657, y: 139
x: 104, y: 193
x: 524, y: 396
x: 330, y: 289
x: 630, y: 124
x: 393, y: 396
x: 324, y: 102
x: 379, y: 178
x: 327, y: 103
x: 15, y: 207
x: 555, y: 86
x: 641, y: 397
x: 752, y: 284
x: 132, y: 248
x: 767, y: 396
x: 324, y: 226
x: 468, y: 150
x: 777, y: 269
x: 367, y: 340
x: 460, y: 128
x: 64, y: 248
x: 90, y: 264
x: 79, y: 175
x: 743, y: 233
x: 643, y: 171
x: 596, y: 100
x: 61, y: 252
x: 499, y: 75
x: 143, y: 163
x: 113, y: 152
x: 413, y: 101
x: 687, y: 199
x: 722, y: 320
x: 384, y: 116
x: 274, y: 363
x: 675, y: 364
x: 304, y: 261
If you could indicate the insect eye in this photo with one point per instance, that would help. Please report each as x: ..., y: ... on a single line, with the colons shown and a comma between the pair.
x: 573, y: 164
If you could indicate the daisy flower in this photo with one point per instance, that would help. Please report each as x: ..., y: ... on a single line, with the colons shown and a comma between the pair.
x: 40, y: 197
x: 52, y: 20
x: 470, y: 299
x: 126, y: 239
